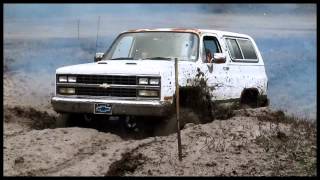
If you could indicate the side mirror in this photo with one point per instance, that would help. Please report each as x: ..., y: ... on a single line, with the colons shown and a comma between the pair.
x: 98, y: 57
x: 218, y: 58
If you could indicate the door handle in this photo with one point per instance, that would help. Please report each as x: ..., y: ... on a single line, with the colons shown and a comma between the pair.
x: 226, y: 68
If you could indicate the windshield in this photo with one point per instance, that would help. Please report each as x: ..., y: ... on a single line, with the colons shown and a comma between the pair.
x: 155, y: 46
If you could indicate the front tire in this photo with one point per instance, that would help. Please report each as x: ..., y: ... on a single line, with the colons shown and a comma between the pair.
x: 61, y: 121
x: 71, y: 120
x: 169, y: 125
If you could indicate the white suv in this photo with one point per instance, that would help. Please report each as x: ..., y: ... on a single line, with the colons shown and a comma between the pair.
x: 136, y: 75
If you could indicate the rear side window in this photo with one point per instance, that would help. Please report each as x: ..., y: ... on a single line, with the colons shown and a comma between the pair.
x: 234, y: 49
x: 241, y: 49
x: 247, y: 49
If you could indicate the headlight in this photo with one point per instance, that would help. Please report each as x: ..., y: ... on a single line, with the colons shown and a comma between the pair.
x: 154, y: 81
x: 148, y: 93
x: 71, y: 90
x: 62, y: 90
x: 72, y: 79
x: 149, y: 80
x: 63, y: 79
x: 143, y: 80
x: 67, y: 78
x: 67, y: 90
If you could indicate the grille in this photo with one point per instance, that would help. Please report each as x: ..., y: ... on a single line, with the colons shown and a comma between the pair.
x: 95, y: 91
x: 110, y: 79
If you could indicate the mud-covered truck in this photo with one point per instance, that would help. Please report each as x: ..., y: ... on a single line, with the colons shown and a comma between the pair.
x: 136, y: 75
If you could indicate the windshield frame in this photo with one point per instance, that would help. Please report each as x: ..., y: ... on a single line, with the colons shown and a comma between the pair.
x: 121, y: 34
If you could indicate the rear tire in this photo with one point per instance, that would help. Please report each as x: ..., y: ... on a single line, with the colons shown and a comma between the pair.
x: 264, y: 101
x: 249, y: 98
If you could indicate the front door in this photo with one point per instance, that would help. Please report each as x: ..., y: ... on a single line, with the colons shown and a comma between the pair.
x: 216, y: 74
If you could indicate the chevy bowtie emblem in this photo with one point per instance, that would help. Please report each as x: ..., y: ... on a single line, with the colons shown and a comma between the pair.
x: 104, y: 85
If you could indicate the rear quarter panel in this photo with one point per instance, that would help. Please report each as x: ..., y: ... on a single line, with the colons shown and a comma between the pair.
x: 244, y: 75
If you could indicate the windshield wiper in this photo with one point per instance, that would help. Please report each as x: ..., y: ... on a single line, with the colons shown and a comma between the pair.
x: 123, y: 58
x: 160, y: 58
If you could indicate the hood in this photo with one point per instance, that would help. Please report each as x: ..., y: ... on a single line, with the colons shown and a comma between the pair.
x: 128, y: 67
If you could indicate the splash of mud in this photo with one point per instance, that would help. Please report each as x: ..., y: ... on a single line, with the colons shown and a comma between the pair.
x: 37, y: 119
x: 196, y: 106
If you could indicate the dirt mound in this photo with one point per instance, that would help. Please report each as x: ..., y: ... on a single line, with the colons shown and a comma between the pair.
x: 239, y: 146
x: 255, y: 142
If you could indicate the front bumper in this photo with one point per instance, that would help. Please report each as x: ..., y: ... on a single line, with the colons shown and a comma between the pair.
x: 119, y: 107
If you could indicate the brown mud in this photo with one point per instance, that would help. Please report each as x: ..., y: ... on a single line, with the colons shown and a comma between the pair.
x: 241, y: 142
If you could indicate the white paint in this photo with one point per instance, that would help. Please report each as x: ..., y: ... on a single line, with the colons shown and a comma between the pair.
x: 229, y: 79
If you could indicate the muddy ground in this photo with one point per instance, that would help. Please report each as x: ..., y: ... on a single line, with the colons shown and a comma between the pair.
x: 253, y: 142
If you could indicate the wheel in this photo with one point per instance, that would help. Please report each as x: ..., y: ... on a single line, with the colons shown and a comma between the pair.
x: 71, y: 120
x: 61, y: 121
x: 263, y: 101
x: 249, y: 98
x: 169, y: 125
x: 138, y: 127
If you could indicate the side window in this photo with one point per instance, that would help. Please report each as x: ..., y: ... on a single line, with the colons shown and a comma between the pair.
x: 247, y: 49
x: 241, y: 49
x: 211, y: 46
x: 234, y: 49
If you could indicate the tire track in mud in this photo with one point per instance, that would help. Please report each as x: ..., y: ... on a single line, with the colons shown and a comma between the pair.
x: 80, y: 156
x: 105, y: 159
x: 33, y: 119
x: 128, y: 162
x: 102, y: 160
x: 57, y: 160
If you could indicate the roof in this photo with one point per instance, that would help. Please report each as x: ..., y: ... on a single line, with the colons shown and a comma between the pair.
x: 192, y: 30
